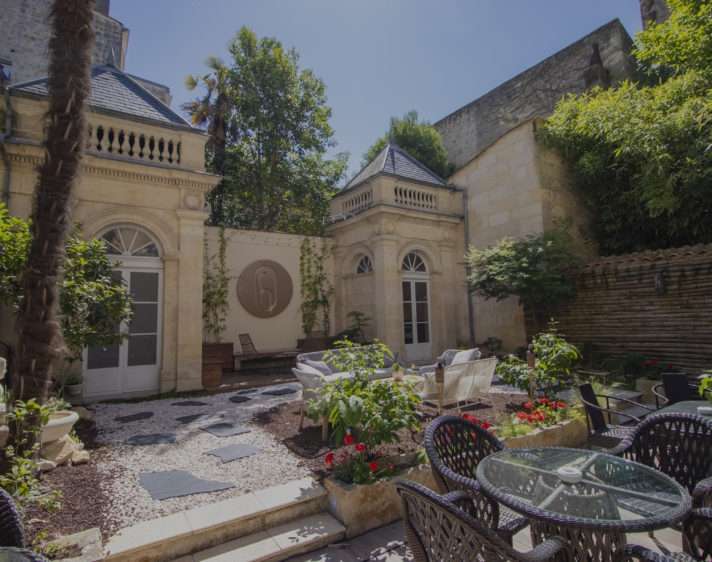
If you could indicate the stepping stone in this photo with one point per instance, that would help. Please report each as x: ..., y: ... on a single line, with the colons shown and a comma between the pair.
x: 234, y: 452
x: 237, y: 399
x: 190, y: 403
x: 247, y: 391
x: 225, y: 429
x: 134, y: 417
x: 190, y: 419
x: 177, y: 483
x: 279, y: 391
x: 152, y: 439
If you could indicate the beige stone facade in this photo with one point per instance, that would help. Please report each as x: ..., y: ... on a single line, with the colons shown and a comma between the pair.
x: 160, y: 194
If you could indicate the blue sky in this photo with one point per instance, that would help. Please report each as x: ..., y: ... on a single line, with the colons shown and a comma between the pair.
x: 377, y: 58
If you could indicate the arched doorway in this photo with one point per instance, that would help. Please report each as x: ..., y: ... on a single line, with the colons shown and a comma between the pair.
x: 416, y: 307
x: 133, y: 366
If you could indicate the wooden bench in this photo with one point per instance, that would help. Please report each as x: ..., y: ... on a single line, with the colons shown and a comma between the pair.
x: 250, y: 353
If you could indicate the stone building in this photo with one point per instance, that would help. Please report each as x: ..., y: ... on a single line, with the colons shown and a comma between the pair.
x: 398, y: 232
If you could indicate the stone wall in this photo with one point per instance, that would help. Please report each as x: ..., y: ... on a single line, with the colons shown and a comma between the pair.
x: 25, y: 31
x: 245, y: 247
x: 655, y: 303
x: 601, y: 57
x: 654, y: 11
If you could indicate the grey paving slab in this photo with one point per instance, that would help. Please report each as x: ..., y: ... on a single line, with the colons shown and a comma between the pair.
x: 189, y: 403
x: 152, y: 439
x: 134, y: 417
x: 239, y: 399
x: 225, y: 429
x: 234, y: 452
x: 279, y: 391
x: 247, y: 391
x: 178, y: 483
x: 190, y: 419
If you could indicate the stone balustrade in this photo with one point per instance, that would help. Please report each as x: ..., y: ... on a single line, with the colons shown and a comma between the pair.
x: 135, y: 144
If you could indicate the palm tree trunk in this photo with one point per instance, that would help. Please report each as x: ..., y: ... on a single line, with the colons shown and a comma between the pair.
x: 69, y: 84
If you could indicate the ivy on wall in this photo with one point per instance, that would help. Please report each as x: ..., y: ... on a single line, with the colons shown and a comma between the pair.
x: 316, y: 289
x: 215, y: 290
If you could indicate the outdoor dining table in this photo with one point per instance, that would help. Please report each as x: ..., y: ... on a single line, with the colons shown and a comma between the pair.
x: 685, y: 407
x: 589, y: 498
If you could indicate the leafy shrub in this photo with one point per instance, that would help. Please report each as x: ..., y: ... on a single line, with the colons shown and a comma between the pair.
x: 356, y: 465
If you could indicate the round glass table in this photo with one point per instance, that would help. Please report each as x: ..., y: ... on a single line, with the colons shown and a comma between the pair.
x: 589, y: 498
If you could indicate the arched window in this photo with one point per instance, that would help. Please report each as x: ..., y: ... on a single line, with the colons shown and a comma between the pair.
x: 129, y: 241
x: 364, y: 265
x: 413, y: 263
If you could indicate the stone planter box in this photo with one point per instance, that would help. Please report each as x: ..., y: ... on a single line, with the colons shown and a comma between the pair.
x: 362, y: 507
x: 571, y: 433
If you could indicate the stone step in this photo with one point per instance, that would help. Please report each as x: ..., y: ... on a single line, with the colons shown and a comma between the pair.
x: 198, y: 529
x: 276, y: 544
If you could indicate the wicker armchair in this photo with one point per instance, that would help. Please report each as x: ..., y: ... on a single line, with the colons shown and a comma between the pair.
x: 697, y: 534
x: 676, y: 387
x: 598, y: 427
x: 455, y: 448
x: 437, y: 529
x: 641, y: 554
x: 11, y: 531
x: 678, y: 445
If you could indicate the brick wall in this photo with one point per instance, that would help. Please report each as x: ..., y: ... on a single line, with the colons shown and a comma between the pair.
x: 655, y: 303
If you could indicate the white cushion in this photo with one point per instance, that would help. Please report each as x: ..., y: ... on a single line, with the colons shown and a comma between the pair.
x: 320, y: 366
x: 309, y: 370
x: 463, y: 356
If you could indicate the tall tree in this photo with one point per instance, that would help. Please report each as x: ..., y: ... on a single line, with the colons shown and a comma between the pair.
x: 418, y: 138
x: 277, y: 175
x: 70, y: 48
x: 213, y: 110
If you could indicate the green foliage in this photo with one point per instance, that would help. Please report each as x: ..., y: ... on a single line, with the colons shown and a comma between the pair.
x: 641, y: 154
x: 26, y: 420
x: 316, y: 289
x: 276, y: 125
x: 355, y: 332
x: 705, y: 388
x: 92, y: 302
x: 216, y: 278
x: 555, y: 362
x: 360, y: 467
x: 419, y: 139
x: 537, y: 269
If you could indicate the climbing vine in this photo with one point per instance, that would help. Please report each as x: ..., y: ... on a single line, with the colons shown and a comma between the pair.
x: 215, y: 289
x: 315, y: 285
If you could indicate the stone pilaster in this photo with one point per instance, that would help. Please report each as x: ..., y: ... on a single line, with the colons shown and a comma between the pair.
x: 387, y: 291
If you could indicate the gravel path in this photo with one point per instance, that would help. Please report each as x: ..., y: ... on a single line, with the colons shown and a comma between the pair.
x: 129, y: 503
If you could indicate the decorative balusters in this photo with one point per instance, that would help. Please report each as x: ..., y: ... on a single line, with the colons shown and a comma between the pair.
x: 358, y: 202
x: 415, y: 198
x: 132, y: 144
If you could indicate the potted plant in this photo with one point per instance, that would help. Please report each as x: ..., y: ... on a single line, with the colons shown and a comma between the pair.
x: 72, y: 387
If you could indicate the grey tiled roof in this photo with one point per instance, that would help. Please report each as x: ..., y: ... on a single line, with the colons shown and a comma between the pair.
x: 116, y: 91
x: 395, y: 161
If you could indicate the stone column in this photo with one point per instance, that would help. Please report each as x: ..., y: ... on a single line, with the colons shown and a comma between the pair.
x: 387, y: 294
x: 189, y: 322
x: 444, y: 292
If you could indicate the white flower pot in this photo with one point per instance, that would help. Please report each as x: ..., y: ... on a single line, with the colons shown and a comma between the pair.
x: 60, y: 424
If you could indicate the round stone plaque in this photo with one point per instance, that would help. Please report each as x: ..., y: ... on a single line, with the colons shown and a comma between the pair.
x: 264, y: 288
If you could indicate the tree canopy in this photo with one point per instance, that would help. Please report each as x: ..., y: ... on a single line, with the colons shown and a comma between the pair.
x: 418, y: 138
x: 641, y: 153
x: 275, y: 119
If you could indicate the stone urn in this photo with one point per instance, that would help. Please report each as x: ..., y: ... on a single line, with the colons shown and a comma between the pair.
x: 60, y: 424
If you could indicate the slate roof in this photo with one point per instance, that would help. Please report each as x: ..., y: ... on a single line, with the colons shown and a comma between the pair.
x: 115, y: 91
x: 395, y: 161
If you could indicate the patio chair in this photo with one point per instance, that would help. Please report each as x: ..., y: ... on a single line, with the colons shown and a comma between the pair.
x: 249, y: 351
x: 598, y: 428
x: 455, y: 448
x: 445, y: 528
x: 463, y: 382
x: 674, y: 388
x: 697, y: 534
x: 676, y: 444
x: 447, y: 356
x: 632, y: 552
x: 12, y: 532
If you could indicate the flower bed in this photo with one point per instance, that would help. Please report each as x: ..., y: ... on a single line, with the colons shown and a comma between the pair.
x: 545, y: 423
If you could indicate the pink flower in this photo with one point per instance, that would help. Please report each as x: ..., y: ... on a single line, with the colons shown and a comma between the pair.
x: 527, y: 405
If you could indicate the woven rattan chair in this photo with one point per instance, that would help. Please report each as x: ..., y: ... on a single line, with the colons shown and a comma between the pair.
x: 438, y: 529
x: 676, y: 444
x: 455, y: 447
x: 636, y: 553
x: 11, y: 530
x: 676, y: 387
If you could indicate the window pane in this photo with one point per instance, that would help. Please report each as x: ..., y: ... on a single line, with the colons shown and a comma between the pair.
x: 103, y: 357
x: 150, y: 250
x: 423, y: 333
x: 421, y: 310
x: 408, y: 329
x: 142, y: 350
x: 407, y: 312
x: 113, y: 244
x: 406, y: 291
x: 144, y: 286
x: 421, y: 291
x: 144, y: 319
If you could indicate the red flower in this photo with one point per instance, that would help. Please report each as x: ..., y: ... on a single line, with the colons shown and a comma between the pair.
x: 485, y: 425
x: 669, y: 366
x: 528, y: 405
x: 329, y: 459
x: 360, y: 447
x: 348, y: 439
x: 373, y: 466
x: 470, y: 418
x: 522, y: 416
x: 561, y: 405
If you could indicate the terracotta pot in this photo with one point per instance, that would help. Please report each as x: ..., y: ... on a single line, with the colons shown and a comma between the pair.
x: 219, y: 352
x: 212, y: 373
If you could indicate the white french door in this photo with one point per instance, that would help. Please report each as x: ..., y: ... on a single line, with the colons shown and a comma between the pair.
x: 416, y: 319
x: 133, y: 366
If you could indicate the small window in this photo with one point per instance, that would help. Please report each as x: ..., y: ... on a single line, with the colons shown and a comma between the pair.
x: 129, y: 241
x: 413, y: 263
x: 364, y: 265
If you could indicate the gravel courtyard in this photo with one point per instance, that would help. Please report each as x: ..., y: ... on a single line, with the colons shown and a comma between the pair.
x: 121, y: 463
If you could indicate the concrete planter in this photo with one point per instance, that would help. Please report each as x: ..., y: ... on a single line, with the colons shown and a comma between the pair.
x: 219, y: 353
x: 211, y: 376
x: 362, y: 507
x: 60, y: 424
x: 571, y: 433
x: 645, y: 386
